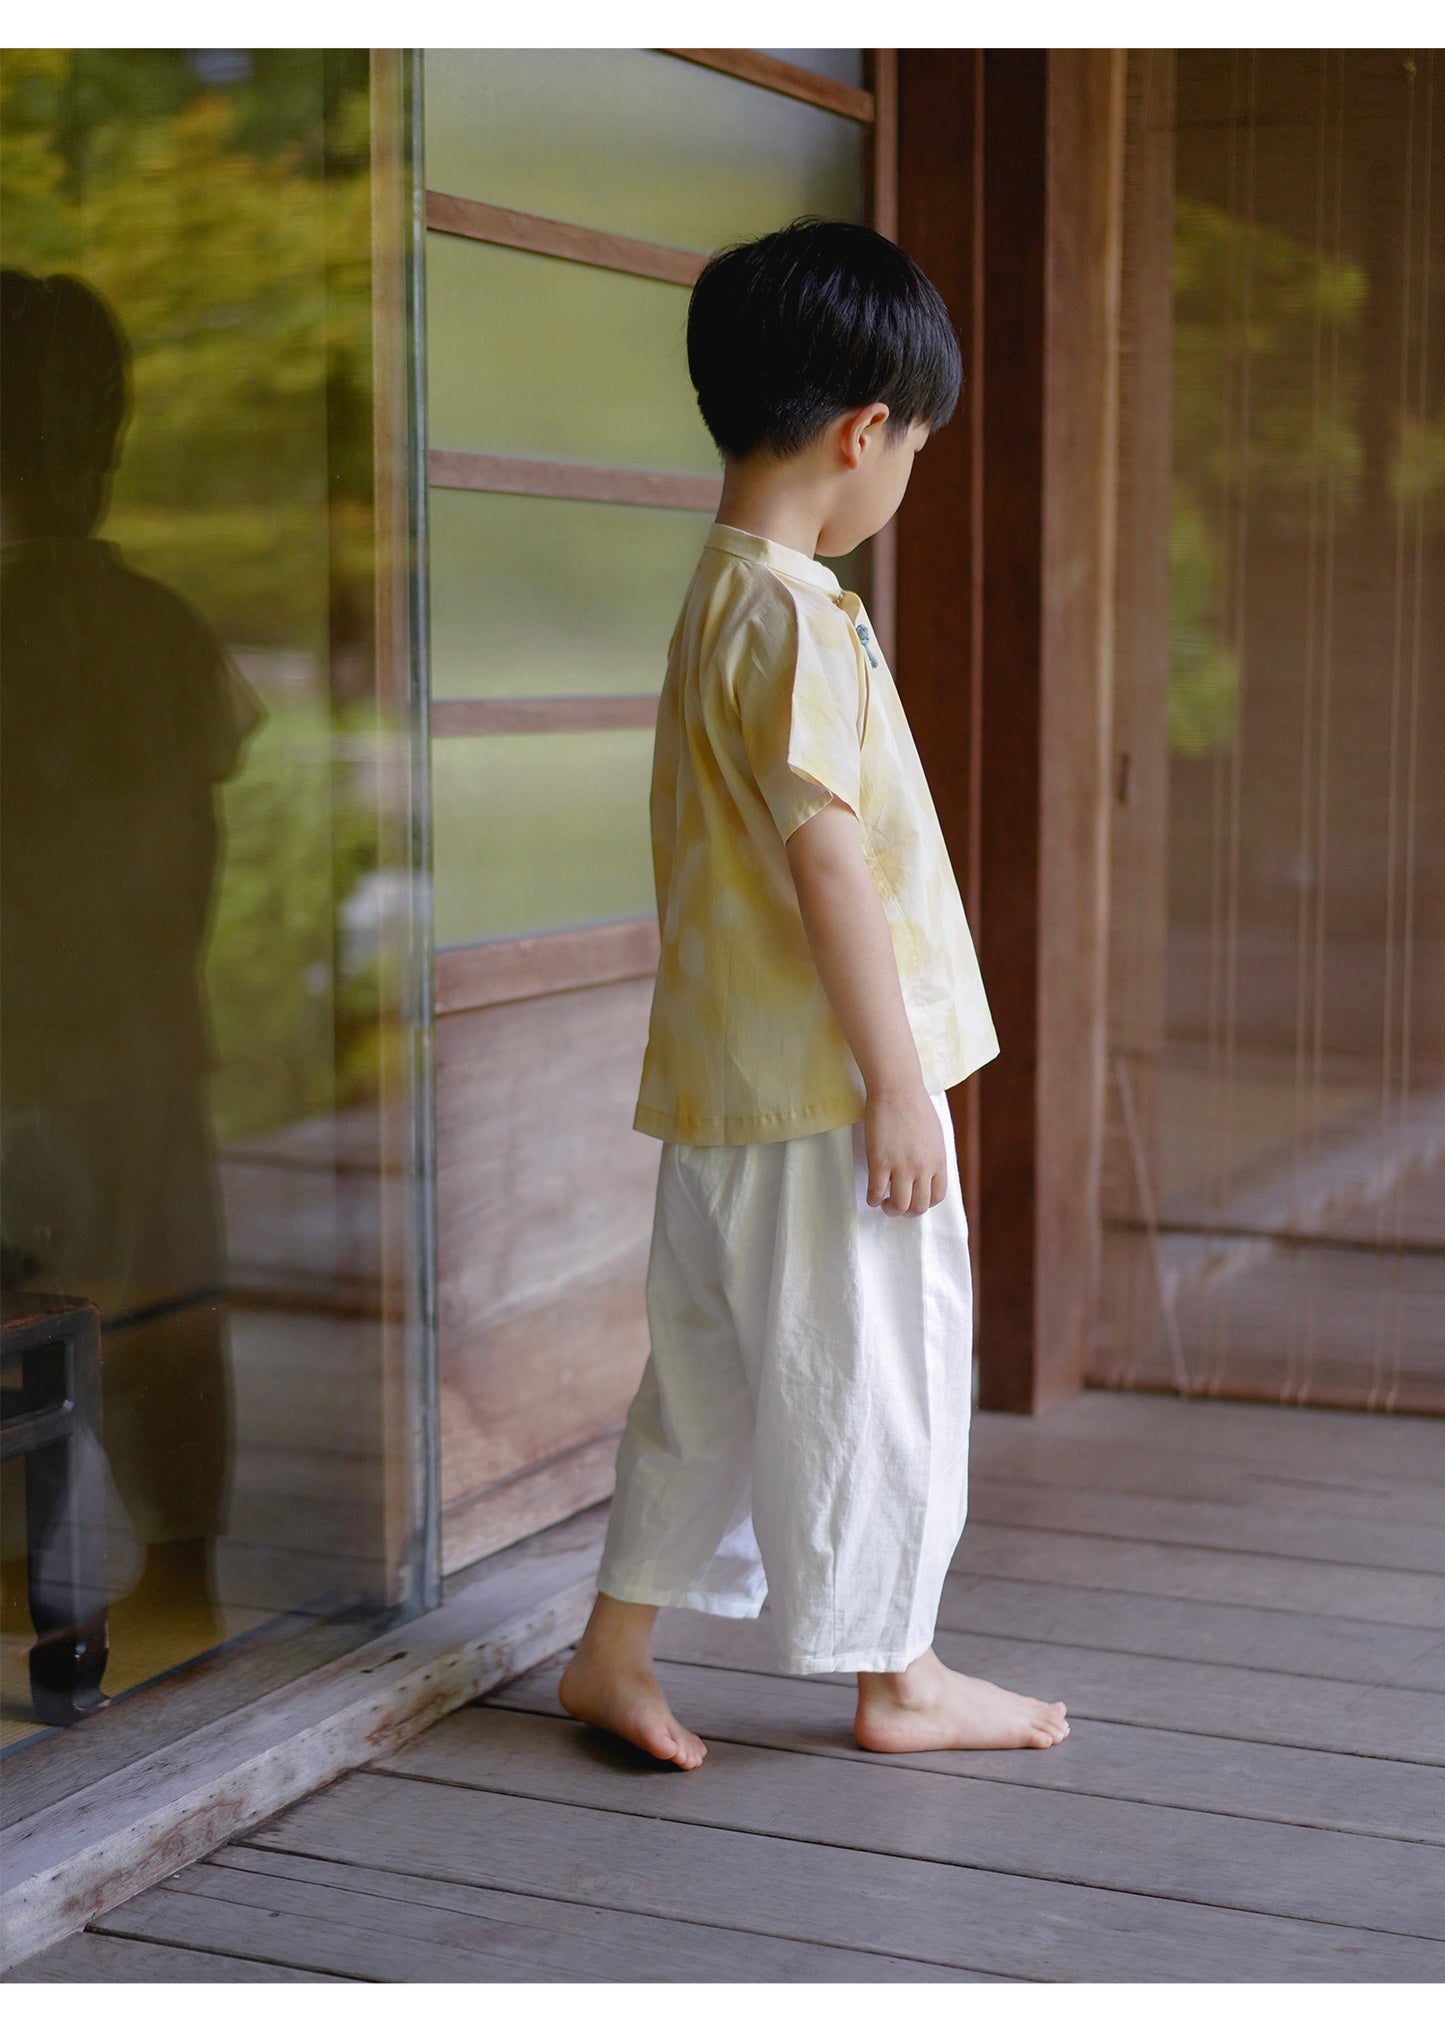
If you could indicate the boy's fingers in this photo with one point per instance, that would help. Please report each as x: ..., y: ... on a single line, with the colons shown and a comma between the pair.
x: 878, y: 1179
x: 940, y: 1186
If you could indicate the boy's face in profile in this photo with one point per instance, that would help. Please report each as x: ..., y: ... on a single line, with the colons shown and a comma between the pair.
x: 871, y: 472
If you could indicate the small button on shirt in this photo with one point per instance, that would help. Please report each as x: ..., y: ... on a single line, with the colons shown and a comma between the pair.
x: 776, y: 699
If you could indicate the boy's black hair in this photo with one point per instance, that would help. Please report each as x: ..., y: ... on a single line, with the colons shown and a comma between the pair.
x: 787, y: 331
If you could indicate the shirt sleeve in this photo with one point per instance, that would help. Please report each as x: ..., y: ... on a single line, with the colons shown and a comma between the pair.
x: 801, y: 706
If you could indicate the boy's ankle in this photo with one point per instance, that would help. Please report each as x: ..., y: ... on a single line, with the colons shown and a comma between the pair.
x: 913, y: 1687
x: 619, y: 1633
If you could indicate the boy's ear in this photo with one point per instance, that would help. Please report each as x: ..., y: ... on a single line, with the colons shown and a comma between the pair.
x: 861, y: 422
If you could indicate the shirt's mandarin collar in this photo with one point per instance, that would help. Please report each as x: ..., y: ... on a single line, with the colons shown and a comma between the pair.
x: 787, y: 561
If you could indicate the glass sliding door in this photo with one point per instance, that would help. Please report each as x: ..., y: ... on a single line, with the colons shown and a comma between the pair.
x: 214, y: 855
x: 1275, y: 1160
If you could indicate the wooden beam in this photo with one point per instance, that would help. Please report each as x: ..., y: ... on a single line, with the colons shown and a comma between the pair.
x: 880, y: 187
x: 480, y: 1525
x: 499, y: 715
x: 527, y: 232
x: 793, y: 80
x: 103, y: 1843
x: 551, y: 478
x: 1010, y: 195
x: 536, y: 965
x: 939, y: 131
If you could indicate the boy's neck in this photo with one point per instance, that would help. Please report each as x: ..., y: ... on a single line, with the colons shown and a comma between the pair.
x: 774, y: 500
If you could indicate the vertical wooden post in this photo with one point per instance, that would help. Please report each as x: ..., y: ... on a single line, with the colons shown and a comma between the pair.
x: 939, y: 615
x: 1129, y: 1312
x: 411, y: 1541
x: 1010, y: 188
x: 880, y: 182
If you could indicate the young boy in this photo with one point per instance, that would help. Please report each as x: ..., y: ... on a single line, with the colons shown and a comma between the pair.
x: 801, y: 1428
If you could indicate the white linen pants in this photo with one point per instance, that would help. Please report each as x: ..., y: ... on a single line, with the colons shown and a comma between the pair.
x: 801, y: 1428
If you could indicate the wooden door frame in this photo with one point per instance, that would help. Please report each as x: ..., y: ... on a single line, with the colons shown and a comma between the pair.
x: 1010, y: 196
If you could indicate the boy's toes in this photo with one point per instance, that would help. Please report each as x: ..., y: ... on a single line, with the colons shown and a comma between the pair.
x: 689, y: 1749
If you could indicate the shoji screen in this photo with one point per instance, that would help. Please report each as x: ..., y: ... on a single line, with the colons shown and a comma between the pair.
x: 573, y: 196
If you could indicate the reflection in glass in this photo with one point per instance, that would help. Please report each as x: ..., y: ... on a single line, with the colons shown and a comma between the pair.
x: 1298, y: 1124
x: 205, y: 879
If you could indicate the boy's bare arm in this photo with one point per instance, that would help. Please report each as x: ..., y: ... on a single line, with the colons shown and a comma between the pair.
x: 848, y: 934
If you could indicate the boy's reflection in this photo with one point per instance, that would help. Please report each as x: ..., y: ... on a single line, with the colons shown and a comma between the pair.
x: 120, y: 714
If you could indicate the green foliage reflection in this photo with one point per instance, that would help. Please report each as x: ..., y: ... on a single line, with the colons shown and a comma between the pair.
x: 220, y: 202
x: 1267, y: 375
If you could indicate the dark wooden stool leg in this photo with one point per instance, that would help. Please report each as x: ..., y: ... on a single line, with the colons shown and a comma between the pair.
x: 65, y: 1511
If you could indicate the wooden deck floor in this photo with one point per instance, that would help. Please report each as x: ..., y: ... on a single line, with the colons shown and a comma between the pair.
x: 1244, y: 1607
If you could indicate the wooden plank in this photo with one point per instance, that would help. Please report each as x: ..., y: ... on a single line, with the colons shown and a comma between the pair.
x: 1265, y: 1640
x: 496, y: 225
x: 880, y: 145
x: 1108, y: 1759
x: 1340, y: 1542
x: 771, y: 73
x: 588, y: 1344
x: 70, y: 1760
x: 545, y: 1198
x: 66, y: 1864
x: 89, y: 1957
x: 1059, y: 1836
x: 1202, y: 1699
x: 1335, y: 1382
x: 1089, y: 1561
x: 1008, y: 1449
x: 933, y: 1911
x: 506, y: 715
x: 575, y: 1480
x: 1296, y: 1439
x: 550, y: 478
x: 403, y: 1092
x: 538, y: 965
x: 329, y: 1931
x: 388, y: 1927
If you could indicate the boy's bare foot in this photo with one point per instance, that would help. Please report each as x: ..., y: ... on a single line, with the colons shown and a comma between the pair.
x: 931, y: 1707
x: 609, y: 1682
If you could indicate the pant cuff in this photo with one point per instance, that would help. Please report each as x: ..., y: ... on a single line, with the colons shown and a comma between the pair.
x: 706, y: 1602
x: 853, y: 1661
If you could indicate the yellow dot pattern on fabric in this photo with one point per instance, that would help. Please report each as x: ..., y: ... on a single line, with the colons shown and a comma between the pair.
x: 777, y: 699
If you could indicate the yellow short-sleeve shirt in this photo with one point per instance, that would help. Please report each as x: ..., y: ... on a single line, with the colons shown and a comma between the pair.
x: 777, y: 698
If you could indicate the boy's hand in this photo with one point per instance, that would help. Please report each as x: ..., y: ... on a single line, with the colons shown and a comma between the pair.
x: 907, y: 1163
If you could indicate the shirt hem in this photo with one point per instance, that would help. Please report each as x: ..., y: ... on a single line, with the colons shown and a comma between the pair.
x: 770, y: 1126
x: 762, y: 1128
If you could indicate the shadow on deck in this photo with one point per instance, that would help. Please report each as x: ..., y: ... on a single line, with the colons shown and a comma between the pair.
x: 1244, y: 1607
